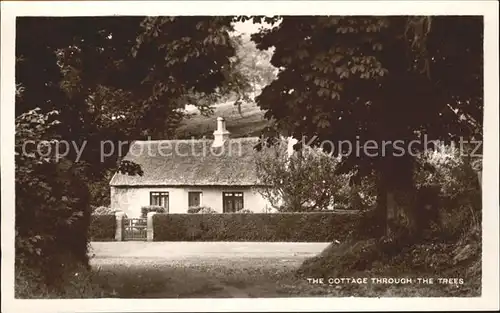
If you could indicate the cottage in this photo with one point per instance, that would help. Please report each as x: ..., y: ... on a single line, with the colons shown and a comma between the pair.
x: 218, y: 173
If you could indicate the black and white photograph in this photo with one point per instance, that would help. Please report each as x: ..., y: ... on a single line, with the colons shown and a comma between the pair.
x: 249, y: 155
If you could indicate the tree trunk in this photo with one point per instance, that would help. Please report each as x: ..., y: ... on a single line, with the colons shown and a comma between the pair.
x: 381, y: 207
x: 480, y: 179
x: 396, y: 196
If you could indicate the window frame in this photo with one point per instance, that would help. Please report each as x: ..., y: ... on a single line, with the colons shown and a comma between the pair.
x: 200, y: 194
x: 232, y: 198
x: 161, y: 195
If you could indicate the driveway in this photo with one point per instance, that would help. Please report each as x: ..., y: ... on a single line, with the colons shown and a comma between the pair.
x: 188, y: 250
x: 198, y: 269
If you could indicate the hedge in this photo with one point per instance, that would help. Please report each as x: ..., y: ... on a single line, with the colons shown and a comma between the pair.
x: 299, y: 227
x: 102, y: 227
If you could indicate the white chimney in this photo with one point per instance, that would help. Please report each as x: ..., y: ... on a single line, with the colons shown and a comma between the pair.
x: 220, y: 134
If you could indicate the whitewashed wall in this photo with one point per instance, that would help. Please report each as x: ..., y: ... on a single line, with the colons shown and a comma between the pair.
x: 131, y: 199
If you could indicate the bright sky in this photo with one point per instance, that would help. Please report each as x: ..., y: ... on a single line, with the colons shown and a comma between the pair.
x: 248, y: 27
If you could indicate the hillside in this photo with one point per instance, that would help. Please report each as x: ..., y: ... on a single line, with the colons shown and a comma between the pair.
x: 249, y: 123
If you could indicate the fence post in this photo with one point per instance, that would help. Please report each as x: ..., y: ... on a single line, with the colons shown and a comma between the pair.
x: 149, y: 226
x: 119, y: 233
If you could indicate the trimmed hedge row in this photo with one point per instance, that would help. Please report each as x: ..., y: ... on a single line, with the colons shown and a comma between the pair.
x: 300, y: 227
x: 102, y: 227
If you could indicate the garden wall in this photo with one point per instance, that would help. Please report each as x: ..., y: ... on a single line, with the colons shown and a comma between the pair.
x: 300, y: 227
x: 102, y: 227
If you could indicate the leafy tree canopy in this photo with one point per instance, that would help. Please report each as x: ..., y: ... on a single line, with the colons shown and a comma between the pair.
x: 119, y: 78
x: 381, y: 78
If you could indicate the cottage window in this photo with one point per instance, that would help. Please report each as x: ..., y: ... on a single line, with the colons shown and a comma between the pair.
x: 160, y: 199
x: 194, y: 198
x: 232, y: 201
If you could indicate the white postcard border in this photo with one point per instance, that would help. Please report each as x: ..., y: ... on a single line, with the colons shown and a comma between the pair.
x: 489, y: 9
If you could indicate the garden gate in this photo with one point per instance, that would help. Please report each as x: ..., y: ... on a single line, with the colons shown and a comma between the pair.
x: 135, y: 229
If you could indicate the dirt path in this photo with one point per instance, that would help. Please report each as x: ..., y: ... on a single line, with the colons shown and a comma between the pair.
x: 198, y: 270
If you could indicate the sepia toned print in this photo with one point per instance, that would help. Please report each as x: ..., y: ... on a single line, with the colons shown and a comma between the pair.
x: 233, y: 156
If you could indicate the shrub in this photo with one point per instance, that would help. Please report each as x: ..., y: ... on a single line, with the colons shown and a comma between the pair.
x: 453, y: 178
x: 302, y: 227
x: 52, y: 201
x: 201, y: 210
x: 152, y: 208
x: 103, y: 210
x: 244, y: 211
x: 102, y: 227
x: 207, y: 210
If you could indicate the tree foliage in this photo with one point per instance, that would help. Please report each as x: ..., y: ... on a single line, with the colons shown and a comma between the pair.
x: 452, y: 175
x: 51, y: 200
x: 253, y: 65
x: 117, y: 79
x: 109, y: 80
x: 301, y: 182
x: 248, y: 72
x: 358, y: 78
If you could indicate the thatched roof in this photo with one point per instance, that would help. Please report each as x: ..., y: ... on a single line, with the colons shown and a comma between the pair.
x: 192, y: 163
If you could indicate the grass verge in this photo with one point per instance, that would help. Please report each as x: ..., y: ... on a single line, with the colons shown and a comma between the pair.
x: 454, y: 268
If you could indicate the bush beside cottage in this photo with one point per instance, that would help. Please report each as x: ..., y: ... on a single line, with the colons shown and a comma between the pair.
x: 201, y: 210
x: 151, y: 208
